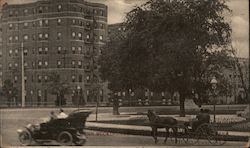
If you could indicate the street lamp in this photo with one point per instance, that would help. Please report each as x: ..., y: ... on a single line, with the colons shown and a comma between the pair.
x: 78, y: 95
x: 214, y: 86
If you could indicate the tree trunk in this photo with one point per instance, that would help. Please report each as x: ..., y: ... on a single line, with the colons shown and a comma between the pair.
x: 182, y: 105
x: 116, y: 107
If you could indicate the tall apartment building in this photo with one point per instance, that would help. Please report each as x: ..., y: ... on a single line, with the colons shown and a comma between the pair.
x: 58, y: 36
x: 1, y: 54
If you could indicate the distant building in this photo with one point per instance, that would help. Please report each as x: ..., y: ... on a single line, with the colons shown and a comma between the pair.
x: 238, y: 94
x: 65, y: 37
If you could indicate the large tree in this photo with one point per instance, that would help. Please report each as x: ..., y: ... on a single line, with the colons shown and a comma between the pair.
x: 10, y: 92
x: 172, y: 46
x: 59, y: 88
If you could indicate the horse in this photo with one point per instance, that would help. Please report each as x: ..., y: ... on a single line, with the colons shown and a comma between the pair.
x: 162, y: 122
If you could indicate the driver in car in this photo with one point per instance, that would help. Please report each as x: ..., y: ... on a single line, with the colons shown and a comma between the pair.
x: 61, y: 114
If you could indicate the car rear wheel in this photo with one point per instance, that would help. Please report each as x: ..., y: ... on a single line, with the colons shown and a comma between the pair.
x: 65, y: 138
x: 25, y: 138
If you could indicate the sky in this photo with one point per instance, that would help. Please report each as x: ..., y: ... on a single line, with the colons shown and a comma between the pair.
x: 239, y: 19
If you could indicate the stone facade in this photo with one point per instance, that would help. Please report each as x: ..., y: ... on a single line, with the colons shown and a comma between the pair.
x: 58, y: 36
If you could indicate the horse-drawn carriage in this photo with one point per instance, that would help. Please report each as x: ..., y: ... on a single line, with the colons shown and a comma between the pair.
x: 185, y: 131
x: 66, y: 131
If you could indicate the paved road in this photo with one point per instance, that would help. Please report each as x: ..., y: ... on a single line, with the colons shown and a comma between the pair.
x: 12, y: 119
x: 109, y: 139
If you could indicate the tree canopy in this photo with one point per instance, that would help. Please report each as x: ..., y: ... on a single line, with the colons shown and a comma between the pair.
x: 171, y: 46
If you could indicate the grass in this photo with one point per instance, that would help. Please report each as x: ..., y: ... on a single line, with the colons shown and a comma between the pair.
x: 242, y: 126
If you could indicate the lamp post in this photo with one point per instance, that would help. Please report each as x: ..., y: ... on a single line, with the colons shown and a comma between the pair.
x: 78, y: 95
x: 214, y: 86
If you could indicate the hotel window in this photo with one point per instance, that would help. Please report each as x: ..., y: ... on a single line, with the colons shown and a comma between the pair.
x: 34, y: 24
x: 46, y: 49
x: 15, y: 79
x: 16, y: 26
x: 25, y: 37
x: 46, y: 78
x: 40, y: 36
x: 59, y: 49
x: 59, y: 21
x: 1, y: 66
x: 95, y: 11
x: 88, y: 36
x: 25, y: 11
x: 10, y: 26
x: 33, y: 65
x: 11, y: 13
x: 80, y: 49
x: 59, y: 36
x: 10, y: 39
x: 100, y: 51
x: 101, y: 11
x: 79, y: 64
x: 25, y: 64
x: 80, y: 36
x: 25, y: 52
x: 40, y: 10
x: 16, y: 38
x: 73, y: 77
x: 16, y: 12
x: 101, y: 37
x: 40, y: 50
x: 46, y: 63
x: 46, y: 36
x: 16, y: 52
x: 46, y: 22
x: 40, y: 64
x: 87, y: 93
x: 10, y: 65
x: 73, y: 49
x: 73, y: 21
x: 59, y: 8
x: 39, y: 79
x: 16, y: 64
x: 80, y: 78
x: 101, y: 26
x: 33, y: 37
x: 73, y: 34
x: 10, y: 52
x: 25, y: 79
x: 25, y: 24
x: 40, y: 23
x: 73, y: 63
x: 59, y: 63
x: 81, y: 23
x: 88, y: 78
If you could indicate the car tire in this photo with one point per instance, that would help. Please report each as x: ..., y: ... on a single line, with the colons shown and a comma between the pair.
x: 65, y: 138
x: 25, y: 138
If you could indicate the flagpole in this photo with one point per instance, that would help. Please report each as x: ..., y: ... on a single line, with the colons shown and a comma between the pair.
x: 22, y: 76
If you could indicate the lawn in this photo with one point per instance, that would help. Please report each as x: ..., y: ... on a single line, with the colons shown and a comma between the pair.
x: 227, y: 125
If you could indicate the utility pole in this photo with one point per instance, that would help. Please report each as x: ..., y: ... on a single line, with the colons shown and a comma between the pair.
x: 22, y: 76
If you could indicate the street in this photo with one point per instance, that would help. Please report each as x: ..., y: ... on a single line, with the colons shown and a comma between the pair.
x: 13, y: 119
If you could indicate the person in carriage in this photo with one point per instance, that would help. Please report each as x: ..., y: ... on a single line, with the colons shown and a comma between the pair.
x: 201, y: 118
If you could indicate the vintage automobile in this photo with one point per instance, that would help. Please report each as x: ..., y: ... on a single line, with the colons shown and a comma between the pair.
x: 67, y: 131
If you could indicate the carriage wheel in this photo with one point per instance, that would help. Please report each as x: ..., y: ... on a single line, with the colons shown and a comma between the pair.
x: 183, y: 133
x: 215, y: 137
x: 65, y: 138
x: 200, y: 133
x: 25, y: 138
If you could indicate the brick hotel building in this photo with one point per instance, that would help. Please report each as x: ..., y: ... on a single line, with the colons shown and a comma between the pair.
x: 59, y: 36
